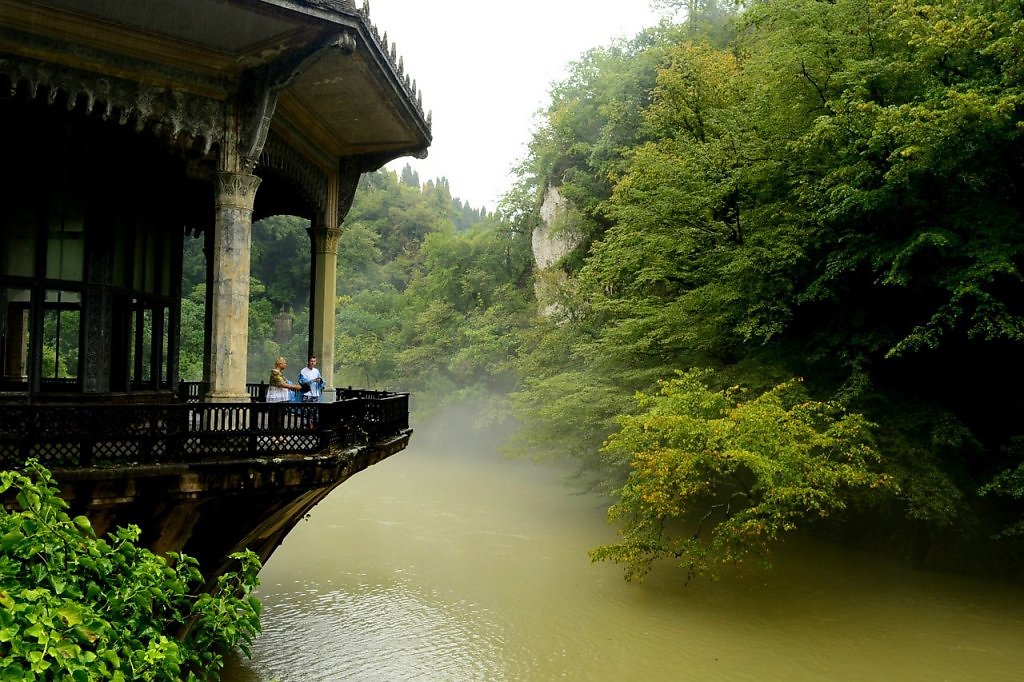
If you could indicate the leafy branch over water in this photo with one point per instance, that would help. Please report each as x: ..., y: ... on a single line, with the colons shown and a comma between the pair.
x: 715, y: 479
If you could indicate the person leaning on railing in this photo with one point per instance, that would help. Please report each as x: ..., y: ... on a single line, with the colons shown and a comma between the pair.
x: 279, y: 391
x: 311, y: 381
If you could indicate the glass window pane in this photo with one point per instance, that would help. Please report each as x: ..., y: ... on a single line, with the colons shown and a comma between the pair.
x: 133, y: 339
x: 146, y: 346
x: 165, y: 346
x: 150, y: 264
x: 120, y: 265
x: 19, y: 235
x: 62, y: 320
x: 139, y: 269
x: 165, y: 270
x: 65, y: 248
x: 16, y: 329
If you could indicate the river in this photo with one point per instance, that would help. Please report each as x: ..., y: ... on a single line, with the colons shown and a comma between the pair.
x: 451, y: 563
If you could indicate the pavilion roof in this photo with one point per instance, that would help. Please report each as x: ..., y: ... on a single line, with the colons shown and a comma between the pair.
x: 351, y: 96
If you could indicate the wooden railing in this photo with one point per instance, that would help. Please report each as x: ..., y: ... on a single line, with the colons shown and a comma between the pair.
x: 193, y: 391
x: 91, y: 435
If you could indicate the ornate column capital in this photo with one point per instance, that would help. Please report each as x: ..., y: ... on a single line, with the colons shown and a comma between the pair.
x: 325, y: 239
x: 236, y: 190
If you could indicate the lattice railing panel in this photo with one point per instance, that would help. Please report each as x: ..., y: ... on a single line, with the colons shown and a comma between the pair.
x: 88, y: 435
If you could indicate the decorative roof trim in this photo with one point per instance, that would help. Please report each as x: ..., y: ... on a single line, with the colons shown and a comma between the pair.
x: 310, y: 180
x: 169, y: 113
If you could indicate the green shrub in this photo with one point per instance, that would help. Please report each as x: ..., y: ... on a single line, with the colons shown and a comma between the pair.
x: 79, y: 607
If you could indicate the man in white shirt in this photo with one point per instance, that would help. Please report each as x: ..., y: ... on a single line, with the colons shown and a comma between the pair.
x: 311, y: 375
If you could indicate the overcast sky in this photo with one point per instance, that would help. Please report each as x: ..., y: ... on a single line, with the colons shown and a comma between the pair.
x: 485, y: 67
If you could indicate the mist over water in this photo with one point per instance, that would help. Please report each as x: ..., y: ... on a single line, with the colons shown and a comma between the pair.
x: 448, y: 562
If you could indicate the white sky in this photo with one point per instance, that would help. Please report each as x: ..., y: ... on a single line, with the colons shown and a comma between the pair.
x: 485, y: 67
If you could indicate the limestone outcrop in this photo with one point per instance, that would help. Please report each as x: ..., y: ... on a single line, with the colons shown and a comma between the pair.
x: 552, y: 241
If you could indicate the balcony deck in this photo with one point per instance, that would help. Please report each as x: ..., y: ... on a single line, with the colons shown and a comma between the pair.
x: 208, y: 479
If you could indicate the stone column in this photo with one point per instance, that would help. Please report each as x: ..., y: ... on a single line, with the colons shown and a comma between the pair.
x: 324, y: 241
x: 230, y: 301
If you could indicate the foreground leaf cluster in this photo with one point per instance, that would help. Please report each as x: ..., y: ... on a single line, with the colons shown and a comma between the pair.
x: 79, y: 607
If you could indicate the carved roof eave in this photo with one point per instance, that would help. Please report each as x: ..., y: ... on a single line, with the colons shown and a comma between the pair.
x: 309, y: 178
x: 387, y: 54
x: 386, y: 57
x: 402, y: 92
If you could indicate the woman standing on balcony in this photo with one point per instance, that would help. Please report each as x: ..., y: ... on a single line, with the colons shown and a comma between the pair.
x: 278, y: 391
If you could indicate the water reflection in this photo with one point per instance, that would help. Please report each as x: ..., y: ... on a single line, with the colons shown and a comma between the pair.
x: 444, y: 566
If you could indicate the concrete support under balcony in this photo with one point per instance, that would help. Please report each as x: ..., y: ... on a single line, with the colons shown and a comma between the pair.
x: 209, y: 510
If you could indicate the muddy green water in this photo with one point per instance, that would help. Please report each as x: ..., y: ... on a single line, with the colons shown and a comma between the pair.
x: 445, y: 565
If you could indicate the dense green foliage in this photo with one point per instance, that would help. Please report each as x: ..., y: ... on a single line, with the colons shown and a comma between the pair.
x: 78, y: 607
x: 828, y: 190
x: 428, y: 304
x: 768, y: 190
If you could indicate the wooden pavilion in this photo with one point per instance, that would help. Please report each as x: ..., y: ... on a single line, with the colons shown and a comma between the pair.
x: 130, y: 123
x: 129, y: 126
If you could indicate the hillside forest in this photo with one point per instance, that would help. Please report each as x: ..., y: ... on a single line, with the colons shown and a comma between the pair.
x: 789, y: 299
